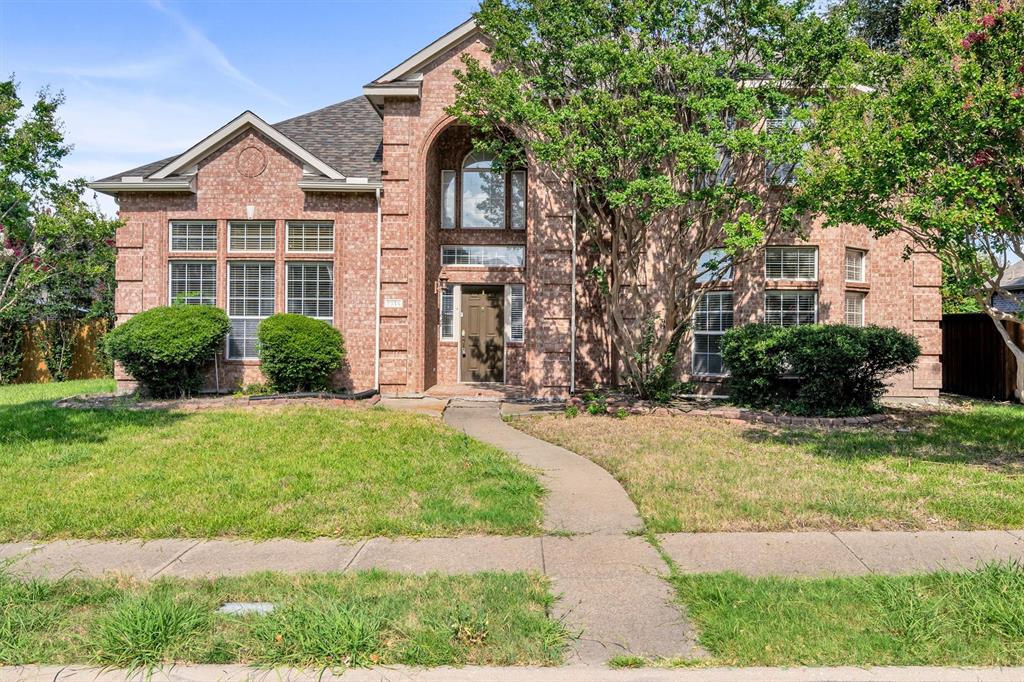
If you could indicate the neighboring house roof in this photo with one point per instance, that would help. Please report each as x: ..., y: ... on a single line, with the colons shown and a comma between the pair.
x: 1013, y: 277
x: 341, y: 142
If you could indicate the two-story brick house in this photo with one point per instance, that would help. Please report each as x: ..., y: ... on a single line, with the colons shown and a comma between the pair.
x: 375, y: 214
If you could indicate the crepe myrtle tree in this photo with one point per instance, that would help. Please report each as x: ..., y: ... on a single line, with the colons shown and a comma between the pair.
x: 936, y: 151
x: 654, y: 112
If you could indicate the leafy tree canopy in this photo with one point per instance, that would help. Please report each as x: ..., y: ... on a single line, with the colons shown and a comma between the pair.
x: 654, y: 111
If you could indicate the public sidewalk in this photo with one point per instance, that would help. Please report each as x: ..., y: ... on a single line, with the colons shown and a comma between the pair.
x: 233, y: 673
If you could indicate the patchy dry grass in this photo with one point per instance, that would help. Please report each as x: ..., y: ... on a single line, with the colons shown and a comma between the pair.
x: 319, y: 620
x: 962, y: 470
x: 289, y: 472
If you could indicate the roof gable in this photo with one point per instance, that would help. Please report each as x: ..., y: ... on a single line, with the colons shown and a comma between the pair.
x: 215, y: 140
x: 408, y: 69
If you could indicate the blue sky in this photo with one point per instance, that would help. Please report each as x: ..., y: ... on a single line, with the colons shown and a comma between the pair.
x: 146, y: 79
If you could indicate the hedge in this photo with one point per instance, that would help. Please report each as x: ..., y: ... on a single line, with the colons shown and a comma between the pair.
x: 166, y: 349
x: 830, y: 370
x: 299, y: 353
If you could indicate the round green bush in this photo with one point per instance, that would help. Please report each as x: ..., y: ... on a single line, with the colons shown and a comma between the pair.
x: 166, y: 349
x: 830, y: 370
x: 299, y: 353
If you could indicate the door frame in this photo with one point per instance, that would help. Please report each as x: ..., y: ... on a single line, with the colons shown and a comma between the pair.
x: 457, y: 292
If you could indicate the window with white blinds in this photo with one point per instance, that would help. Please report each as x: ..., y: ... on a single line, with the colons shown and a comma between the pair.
x: 516, y: 304
x: 252, y: 235
x: 855, y: 265
x: 311, y: 290
x: 854, y: 308
x: 250, y: 300
x: 791, y: 262
x: 790, y: 308
x: 448, y: 313
x: 193, y: 235
x: 488, y: 256
x: 310, y: 236
x: 714, y: 316
x: 193, y: 283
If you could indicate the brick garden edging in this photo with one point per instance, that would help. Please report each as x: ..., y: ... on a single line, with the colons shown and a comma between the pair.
x: 106, y: 401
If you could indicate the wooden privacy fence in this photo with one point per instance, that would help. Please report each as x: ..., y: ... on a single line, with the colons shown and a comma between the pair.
x: 975, y: 359
x: 85, y: 363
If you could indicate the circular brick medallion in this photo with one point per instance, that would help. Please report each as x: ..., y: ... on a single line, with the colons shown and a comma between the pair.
x: 251, y: 162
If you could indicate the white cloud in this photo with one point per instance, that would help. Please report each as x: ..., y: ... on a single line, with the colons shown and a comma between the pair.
x: 141, y: 70
x: 212, y: 54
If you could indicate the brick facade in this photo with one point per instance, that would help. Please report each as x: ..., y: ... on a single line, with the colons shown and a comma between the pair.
x: 419, y: 141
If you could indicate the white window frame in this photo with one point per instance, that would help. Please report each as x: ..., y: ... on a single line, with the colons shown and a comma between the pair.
x: 456, y: 293
x: 782, y: 264
x: 187, y: 262
x: 510, y: 336
x: 719, y: 333
x: 863, y: 297
x: 247, y: 223
x: 462, y: 192
x: 287, y: 279
x: 520, y: 248
x: 287, y: 236
x: 170, y: 235
x: 273, y: 306
x: 863, y: 265
x: 455, y: 199
x: 790, y: 292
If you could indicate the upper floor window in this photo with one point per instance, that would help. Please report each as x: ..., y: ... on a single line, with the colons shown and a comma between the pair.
x: 714, y: 264
x: 490, y: 200
x: 855, y: 265
x: 248, y: 235
x: 191, y: 235
x: 791, y: 262
x: 310, y: 236
x: 780, y: 166
x: 487, y: 256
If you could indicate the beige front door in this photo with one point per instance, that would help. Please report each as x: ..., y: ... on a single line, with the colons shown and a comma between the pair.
x: 483, y: 334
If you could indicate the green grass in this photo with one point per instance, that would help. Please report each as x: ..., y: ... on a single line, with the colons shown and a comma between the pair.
x: 320, y: 620
x: 253, y: 473
x: 962, y: 470
x: 974, y: 618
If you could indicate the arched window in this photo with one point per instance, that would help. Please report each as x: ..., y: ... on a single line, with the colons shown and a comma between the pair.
x: 490, y: 200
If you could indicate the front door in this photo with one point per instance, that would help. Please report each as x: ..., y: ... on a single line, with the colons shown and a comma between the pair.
x: 483, y: 334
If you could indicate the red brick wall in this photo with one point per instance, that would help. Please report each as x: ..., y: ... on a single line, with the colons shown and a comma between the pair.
x: 223, y: 194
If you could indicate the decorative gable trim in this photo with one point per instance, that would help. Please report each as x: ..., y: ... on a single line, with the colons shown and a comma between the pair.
x: 407, y: 70
x: 248, y: 119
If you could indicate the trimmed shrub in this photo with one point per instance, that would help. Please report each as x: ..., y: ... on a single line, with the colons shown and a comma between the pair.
x: 12, y: 332
x: 166, y: 349
x: 755, y: 366
x: 299, y: 353
x: 822, y: 370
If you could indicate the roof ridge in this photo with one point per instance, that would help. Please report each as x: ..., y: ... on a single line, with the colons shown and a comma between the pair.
x: 323, y: 108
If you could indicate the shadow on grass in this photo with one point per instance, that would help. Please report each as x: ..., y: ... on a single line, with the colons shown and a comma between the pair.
x: 39, y: 421
x: 991, y: 436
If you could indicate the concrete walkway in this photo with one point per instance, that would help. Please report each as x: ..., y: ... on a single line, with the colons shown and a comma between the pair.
x: 237, y: 673
x: 582, y: 497
x: 841, y: 553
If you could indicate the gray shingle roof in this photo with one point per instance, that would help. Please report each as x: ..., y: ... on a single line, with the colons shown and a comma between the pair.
x: 346, y: 136
x: 1013, y: 277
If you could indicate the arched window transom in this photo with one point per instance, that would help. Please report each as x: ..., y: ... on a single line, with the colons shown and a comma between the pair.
x: 487, y: 199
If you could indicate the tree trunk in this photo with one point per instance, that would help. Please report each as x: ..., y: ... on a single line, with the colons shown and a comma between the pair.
x: 1018, y: 352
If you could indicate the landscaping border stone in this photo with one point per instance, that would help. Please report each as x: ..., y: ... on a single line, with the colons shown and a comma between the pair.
x: 110, y: 401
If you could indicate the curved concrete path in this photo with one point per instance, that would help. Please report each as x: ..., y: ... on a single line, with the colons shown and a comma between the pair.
x: 583, y: 498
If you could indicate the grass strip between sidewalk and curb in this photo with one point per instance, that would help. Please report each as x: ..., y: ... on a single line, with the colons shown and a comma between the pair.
x: 321, y: 620
x: 974, y: 618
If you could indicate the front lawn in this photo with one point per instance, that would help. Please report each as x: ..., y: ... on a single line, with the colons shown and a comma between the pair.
x: 946, y: 619
x: 962, y: 470
x: 318, y: 620
x: 256, y: 473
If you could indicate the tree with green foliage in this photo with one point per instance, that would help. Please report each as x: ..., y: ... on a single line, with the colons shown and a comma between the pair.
x: 936, y: 150
x: 653, y: 112
x: 56, y: 253
x: 879, y: 22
